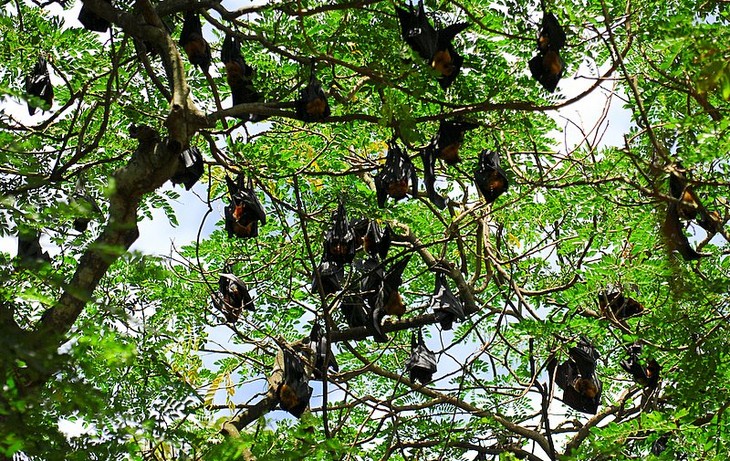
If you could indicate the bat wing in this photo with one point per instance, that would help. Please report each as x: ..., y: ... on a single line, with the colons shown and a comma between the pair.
x: 251, y: 200
x: 190, y: 169
x: 354, y: 310
x: 447, y: 34
x: 394, y: 275
x: 584, y: 355
x: 421, y: 365
x: 331, y: 275
x: 376, y: 324
x: 417, y: 31
x: 372, y: 280
x: 428, y: 155
x: 536, y: 67
x: 191, y: 26
x: 92, y: 21
x: 457, y: 60
x: 381, y: 188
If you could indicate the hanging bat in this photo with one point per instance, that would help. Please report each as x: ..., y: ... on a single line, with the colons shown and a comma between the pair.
x: 294, y: 391
x: 331, y: 274
x: 659, y: 445
x: 323, y: 356
x: 190, y: 168
x: 339, y: 240
x: 490, y: 177
x: 192, y: 41
x: 394, y: 178
x: 92, y: 21
x: 417, y: 30
x: 445, y: 60
x: 689, y: 206
x: 547, y: 66
x: 621, y: 307
x: 576, y: 376
x: 428, y: 156
x: 354, y: 310
x: 376, y: 240
x: 389, y: 299
x: 647, y: 376
x: 38, y: 85
x: 434, y: 46
x: 552, y: 35
x: 232, y: 297
x: 371, y: 283
x: 376, y: 316
x: 30, y: 252
x: 449, y: 139
x: 239, y: 75
x: 547, y: 69
x: 445, y: 304
x: 85, y: 205
x: 421, y: 365
x: 674, y: 236
x: 245, y: 211
x: 312, y: 104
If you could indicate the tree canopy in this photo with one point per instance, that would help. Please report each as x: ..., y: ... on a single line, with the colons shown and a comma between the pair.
x: 405, y: 179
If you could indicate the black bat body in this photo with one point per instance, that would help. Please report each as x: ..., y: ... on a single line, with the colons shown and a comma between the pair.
x: 331, y: 274
x: 396, y: 178
x: 428, y: 155
x: 38, y: 84
x: 245, y: 211
x: 373, y: 275
x: 323, y: 356
x: 354, y: 310
x: 576, y: 376
x: 449, y: 139
x: 445, y: 304
x: 340, y: 239
x: 376, y: 240
x: 446, y: 61
x: 674, y: 235
x: 389, y: 299
x: 294, y: 391
x: 92, y: 21
x: 239, y: 75
x: 547, y: 66
x: 190, y: 168
x: 621, y: 306
x: 647, y: 376
x: 490, y: 177
x: 312, y: 105
x: 430, y: 44
x: 232, y: 297
x: 421, y: 365
x: 192, y: 41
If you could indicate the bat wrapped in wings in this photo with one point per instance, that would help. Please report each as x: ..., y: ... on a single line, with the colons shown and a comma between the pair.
x: 428, y: 156
x: 232, y: 297
x: 396, y: 177
x: 190, y: 168
x: 489, y: 177
x: 547, y: 66
x: 292, y: 378
x: 323, y: 356
x: 445, y: 304
x: 331, y: 275
x: 577, y: 377
x: 432, y: 45
x: 38, y: 85
x: 647, y: 376
x: 421, y: 365
x: 244, y: 212
x: 30, y: 252
x: 312, y: 105
x: 192, y: 41
x: 622, y: 307
x: 239, y: 75
x: 449, y: 139
x: 340, y: 239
